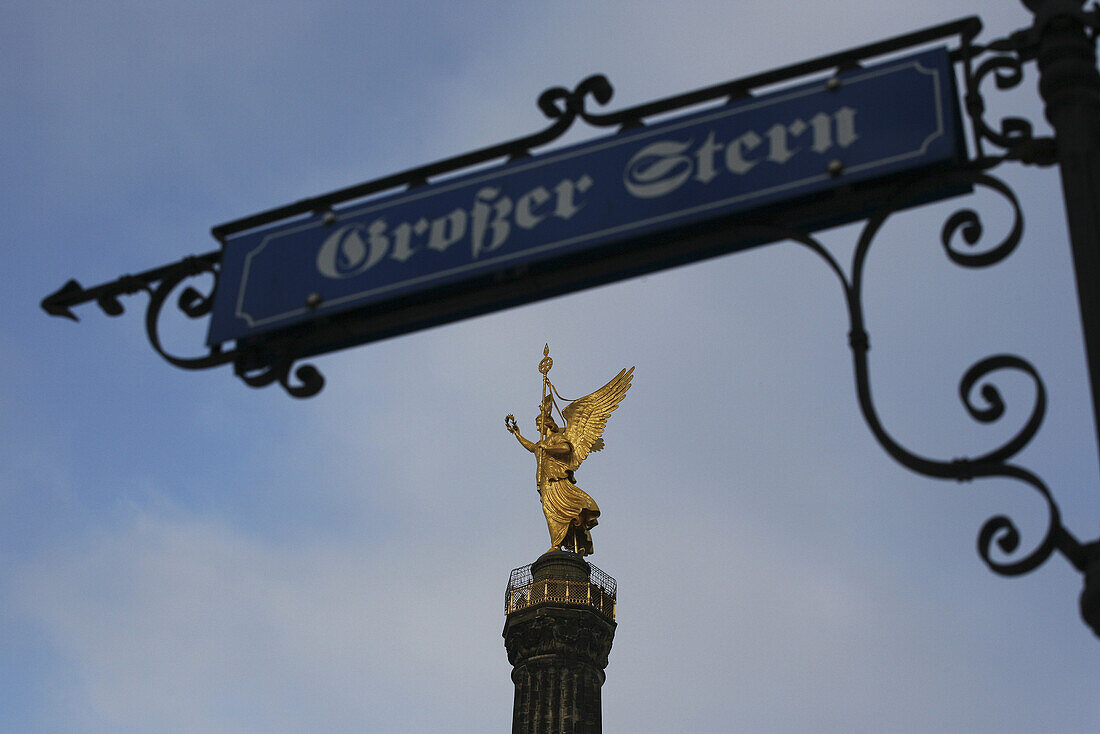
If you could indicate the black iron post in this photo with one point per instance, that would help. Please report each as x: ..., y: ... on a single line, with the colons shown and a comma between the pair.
x: 1070, y: 86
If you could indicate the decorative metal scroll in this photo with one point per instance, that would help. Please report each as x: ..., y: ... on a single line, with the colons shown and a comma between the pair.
x: 999, y: 63
x: 1015, y: 141
x: 159, y: 284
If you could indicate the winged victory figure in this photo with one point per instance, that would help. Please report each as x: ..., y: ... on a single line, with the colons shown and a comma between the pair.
x: 570, y: 512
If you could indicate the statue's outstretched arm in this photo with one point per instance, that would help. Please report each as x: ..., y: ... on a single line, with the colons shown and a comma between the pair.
x: 525, y: 443
x: 510, y: 424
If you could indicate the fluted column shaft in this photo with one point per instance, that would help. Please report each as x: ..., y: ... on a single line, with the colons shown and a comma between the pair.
x: 558, y: 654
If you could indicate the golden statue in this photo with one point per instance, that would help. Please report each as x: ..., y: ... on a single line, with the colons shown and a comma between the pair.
x: 570, y: 512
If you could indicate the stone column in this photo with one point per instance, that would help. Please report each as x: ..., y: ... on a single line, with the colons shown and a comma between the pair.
x: 558, y: 649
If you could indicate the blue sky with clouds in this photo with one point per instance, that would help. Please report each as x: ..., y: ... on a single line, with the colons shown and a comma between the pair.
x: 182, y: 553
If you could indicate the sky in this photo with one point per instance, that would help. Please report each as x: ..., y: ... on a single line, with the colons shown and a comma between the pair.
x: 182, y: 553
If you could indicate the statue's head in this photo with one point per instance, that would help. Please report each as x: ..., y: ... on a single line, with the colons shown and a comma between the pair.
x: 544, y: 419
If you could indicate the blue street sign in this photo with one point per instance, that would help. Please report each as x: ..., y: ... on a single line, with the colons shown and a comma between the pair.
x: 590, y: 198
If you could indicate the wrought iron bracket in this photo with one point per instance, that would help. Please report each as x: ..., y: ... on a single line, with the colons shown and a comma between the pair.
x: 1073, y: 84
x: 159, y: 284
x: 977, y: 389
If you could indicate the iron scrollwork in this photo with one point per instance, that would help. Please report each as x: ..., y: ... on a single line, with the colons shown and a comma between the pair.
x: 159, y: 284
x: 977, y: 389
x: 977, y: 382
x: 309, y: 378
x: 1017, y: 142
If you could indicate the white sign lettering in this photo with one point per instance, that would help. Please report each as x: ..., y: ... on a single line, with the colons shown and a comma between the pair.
x: 664, y: 166
x: 355, y: 248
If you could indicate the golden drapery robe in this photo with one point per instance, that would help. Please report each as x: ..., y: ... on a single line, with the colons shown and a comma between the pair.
x: 570, y: 512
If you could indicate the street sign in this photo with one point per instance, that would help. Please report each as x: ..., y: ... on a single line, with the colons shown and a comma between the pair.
x: 576, y: 214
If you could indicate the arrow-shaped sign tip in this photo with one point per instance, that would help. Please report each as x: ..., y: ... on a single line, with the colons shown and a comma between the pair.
x: 57, y: 304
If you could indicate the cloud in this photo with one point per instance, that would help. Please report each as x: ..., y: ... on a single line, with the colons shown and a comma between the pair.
x: 180, y: 624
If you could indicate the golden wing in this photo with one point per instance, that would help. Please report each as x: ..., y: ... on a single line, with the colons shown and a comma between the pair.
x: 586, y: 417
